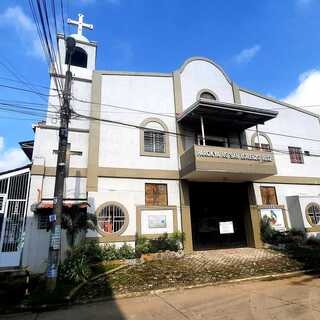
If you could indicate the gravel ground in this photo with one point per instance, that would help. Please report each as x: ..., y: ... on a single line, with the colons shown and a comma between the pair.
x: 198, y: 268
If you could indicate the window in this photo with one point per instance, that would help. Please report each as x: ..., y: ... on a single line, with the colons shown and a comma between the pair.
x: 154, y: 138
x: 154, y: 141
x: 313, y: 213
x: 296, y: 155
x: 262, y: 146
x: 207, y: 95
x: 112, y: 218
x: 79, y: 58
x: 268, y: 195
x: 156, y: 194
x: 262, y: 143
x: 43, y: 221
x: 2, y: 203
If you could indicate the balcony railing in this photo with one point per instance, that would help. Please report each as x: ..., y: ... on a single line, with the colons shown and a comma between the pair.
x: 206, y: 163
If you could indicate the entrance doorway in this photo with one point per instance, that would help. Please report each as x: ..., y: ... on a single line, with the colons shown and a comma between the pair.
x: 218, y: 215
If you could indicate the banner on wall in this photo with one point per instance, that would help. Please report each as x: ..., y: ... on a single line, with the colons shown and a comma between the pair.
x: 276, y: 218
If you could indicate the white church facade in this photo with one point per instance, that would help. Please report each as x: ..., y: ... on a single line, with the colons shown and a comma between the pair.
x: 188, y: 151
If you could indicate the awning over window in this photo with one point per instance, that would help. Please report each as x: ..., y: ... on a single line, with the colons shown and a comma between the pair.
x: 221, y: 114
x: 48, y: 204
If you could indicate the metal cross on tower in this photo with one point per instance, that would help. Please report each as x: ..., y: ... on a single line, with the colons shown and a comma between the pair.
x: 80, y: 24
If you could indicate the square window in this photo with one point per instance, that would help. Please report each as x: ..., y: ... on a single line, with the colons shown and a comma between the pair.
x: 296, y: 155
x: 156, y: 194
x: 268, y: 195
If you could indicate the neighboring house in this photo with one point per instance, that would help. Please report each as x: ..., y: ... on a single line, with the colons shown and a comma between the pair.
x: 197, y: 154
x: 14, y: 187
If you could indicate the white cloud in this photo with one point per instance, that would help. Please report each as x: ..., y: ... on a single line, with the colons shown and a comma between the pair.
x: 307, y: 92
x: 304, y: 2
x: 11, y: 158
x: 247, y: 54
x: 15, y: 17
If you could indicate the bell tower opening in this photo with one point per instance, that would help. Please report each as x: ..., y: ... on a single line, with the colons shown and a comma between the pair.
x: 79, y: 58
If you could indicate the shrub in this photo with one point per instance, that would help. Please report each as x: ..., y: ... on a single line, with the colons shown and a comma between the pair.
x: 110, y: 252
x: 126, y: 252
x: 75, y: 269
x: 313, y: 242
x: 172, y: 242
x: 92, y: 250
x: 294, y: 236
x: 268, y: 234
x: 81, y: 261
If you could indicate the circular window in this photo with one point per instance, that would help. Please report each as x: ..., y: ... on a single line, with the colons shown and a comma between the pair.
x: 313, y: 213
x: 112, y: 218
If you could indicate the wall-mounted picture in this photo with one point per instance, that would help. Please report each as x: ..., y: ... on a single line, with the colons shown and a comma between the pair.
x: 157, y: 221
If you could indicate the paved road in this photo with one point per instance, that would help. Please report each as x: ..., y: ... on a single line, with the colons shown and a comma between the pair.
x: 295, y: 298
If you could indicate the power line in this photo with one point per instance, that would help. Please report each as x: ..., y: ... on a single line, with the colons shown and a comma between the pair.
x: 163, y: 131
x: 172, y: 115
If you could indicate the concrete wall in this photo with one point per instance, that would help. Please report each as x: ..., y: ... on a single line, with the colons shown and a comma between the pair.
x: 120, y: 145
x: 131, y: 194
x: 199, y: 74
x: 289, y: 122
x: 46, y: 141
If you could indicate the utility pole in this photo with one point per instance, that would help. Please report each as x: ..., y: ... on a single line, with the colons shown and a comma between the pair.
x: 55, y: 217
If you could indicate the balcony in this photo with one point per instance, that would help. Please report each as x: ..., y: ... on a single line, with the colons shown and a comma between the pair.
x: 206, y: 163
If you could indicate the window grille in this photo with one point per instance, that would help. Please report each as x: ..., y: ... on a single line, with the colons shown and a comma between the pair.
x: 2, y: 203
x: 296, y: 155
x: 111, y: 218
x: 313, y: 212
x: 154, y: 141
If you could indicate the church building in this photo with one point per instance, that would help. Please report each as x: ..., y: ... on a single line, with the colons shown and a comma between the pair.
x: 188, y: 150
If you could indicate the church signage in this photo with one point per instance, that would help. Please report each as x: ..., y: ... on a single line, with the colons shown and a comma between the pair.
x: 234, y: 155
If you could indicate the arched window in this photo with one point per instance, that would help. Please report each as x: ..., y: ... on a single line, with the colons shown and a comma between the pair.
x: 154, y: 139
x: 313, y: 213
x: 262, y: 142
x: 79, y: 58
x: 112, y: 218
x: 207, y: 95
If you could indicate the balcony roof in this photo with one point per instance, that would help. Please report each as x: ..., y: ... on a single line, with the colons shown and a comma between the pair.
x: 221, y: 114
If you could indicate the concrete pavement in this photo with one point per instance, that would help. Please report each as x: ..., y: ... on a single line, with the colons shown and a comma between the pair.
x: 295, y: 298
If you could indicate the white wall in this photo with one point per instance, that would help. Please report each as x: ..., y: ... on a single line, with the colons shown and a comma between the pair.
x: 35, y: 250
x: 120, y: 145
x: 289, y: 122
x: 130, y: 193
x: 200, y: 74
x: 46, y: 140
x: 286, y: 190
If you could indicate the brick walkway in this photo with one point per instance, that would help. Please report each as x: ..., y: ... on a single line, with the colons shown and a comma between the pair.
x: 231, y: 257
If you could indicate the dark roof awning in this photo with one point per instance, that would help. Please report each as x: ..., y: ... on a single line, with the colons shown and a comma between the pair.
x: 221, y: 114
x: 27, y: 147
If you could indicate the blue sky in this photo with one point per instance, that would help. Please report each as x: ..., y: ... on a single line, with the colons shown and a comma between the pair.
x: 269, y: 46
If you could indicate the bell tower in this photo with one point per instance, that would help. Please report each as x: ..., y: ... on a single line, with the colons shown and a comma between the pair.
x: 83, y: 59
